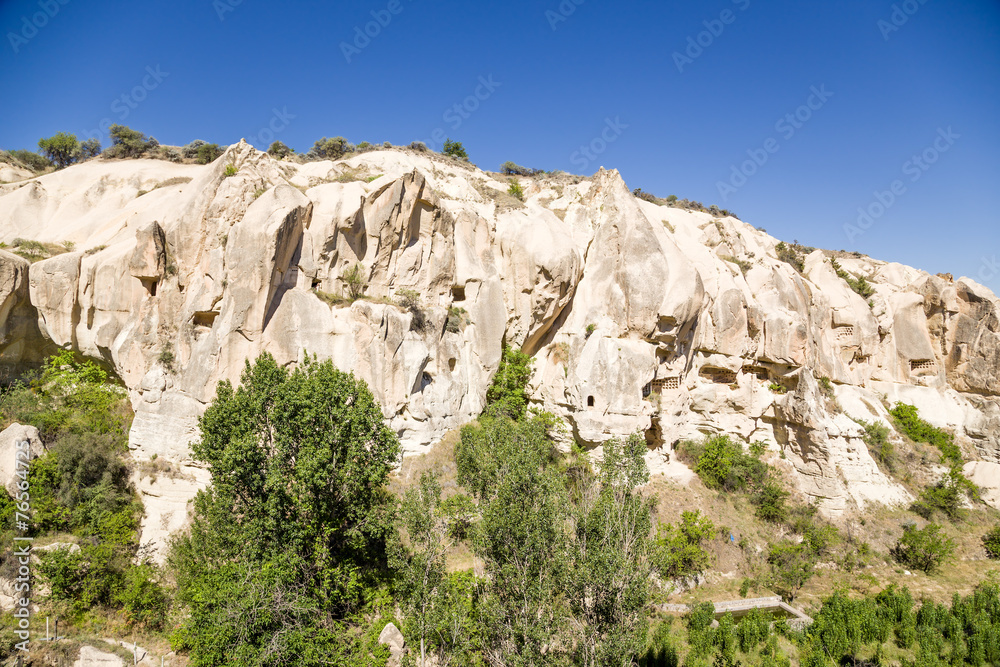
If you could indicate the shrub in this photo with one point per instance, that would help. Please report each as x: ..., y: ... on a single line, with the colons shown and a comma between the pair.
x: 991, y: 542
x: 207, y: 153
x: 860, y: 286
x: 677, y: 551
x: 456, y: 318
x: 722, y: 464
x: 419, y: 146
x: 142, y: 598
x: 946, y: 496
x: 770, y: 502
x: 507, y: 394
x: 191, y: 150
x: 792, y: 565
x: 32, y: 161
x: 460, y: 514
x: 455, y: 149
x: 279, y: 150
x: 789, y: 255
x: 62, y: 149
x: 330, y: 149
x: 925, y: 549
x: 355, y: 280
x: 409, y: 300
x: 876, y: 438
x: 909, y: 422
x: 645, y: 196
x: 515, y: 189
x: 129, y: 143
x: 511, y: 169
x: 230, y: 171
x: 590, y: 329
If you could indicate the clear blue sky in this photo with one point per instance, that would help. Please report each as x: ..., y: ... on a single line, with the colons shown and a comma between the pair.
x: 892, y: 91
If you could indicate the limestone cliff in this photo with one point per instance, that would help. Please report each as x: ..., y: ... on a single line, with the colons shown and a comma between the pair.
x: 640, y: 317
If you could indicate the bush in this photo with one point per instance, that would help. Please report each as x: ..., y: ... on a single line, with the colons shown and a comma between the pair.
x: 460, y: 514
x: 946, y: 496
x: 455, y: 149
x: 876, y: 438
x: 515, y: 189
x: 860, y: 286
x: 792, y: 565
x: 142, y: 598
x: 456, y: 318
x: 330, y: 149
x: 790, y: 256
x: 32, y: 161
x: 909, y: 422
x: 207, y: 153
x: 511, y: 169
x: 677, y: 551
x: 190, y: 151
x: 925, y: 549
x: 419, y: 146
x: 356, y: 282
x: 508, y: 394
x: 770, y: 502
x: 991, y: 542
x: 409, y: 300
x: 62, y: 149
x: 722, y: 464
x: 229, y: 171
x: 90, y: 148
x: 129, y: 143
x: 279, y: 150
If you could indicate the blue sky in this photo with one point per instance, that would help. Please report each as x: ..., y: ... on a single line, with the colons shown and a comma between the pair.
x: 684, y: 94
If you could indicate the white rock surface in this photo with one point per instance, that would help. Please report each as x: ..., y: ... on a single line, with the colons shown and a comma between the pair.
x: 613, y: 296
x: 10, y: 453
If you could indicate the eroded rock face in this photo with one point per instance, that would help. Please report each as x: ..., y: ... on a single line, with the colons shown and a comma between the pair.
x: 640, y: 317
x: 12, y: 451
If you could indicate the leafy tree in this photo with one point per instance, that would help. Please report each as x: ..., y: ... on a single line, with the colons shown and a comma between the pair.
x: 792, y: 565
x: 946, y: 495
x: 330, y: 149
x: 129, y: 143
x: 455, y: 149
x: 511, y: 169
x: 207, y: 153
x: 515, y: 189
x: 991, y: 542
x: 63, y: 149
x: 279, y: 150
x: 90, y: 148
x: 608, y: 577
x: 30, y: 160
x: 924, y: 549
x: 678, y: 552
x: 770, y: 502
x: 520, y: 537
x: 423, y: 563
x: 508, y: 393
x: 291, y: 537
x: 355, y: 280
x: 722, y: 464
x: 876, y: 437
x: 909, y: 422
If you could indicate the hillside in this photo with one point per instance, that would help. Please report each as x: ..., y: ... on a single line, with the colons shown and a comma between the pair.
x: 639, y: 316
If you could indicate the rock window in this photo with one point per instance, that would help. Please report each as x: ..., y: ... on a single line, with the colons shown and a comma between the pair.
x: 590, y: 401
x: 922, y: 365
x: 719, y: 375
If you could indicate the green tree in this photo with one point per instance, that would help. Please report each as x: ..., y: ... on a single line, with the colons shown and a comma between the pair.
x: 991, y: 542
x: 63, y: 149
x: 355, y: 280
x: 330, y: 149
x: 508, y: 393
x: 89, y: 149
x: 521, y: 536
x: 207, y: 153
x: 923, y: 549
x: 455, y: 149
x: 423, y: 562
x: 279, y: 150
x: 608, y: 578
x: 678, y: 552
x: 291, y: 537
x: 129, y: 143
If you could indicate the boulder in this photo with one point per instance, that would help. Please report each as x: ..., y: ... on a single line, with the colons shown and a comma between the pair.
x: 10, y: 453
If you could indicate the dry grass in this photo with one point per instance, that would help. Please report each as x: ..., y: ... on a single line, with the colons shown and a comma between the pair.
x: 35, y: 251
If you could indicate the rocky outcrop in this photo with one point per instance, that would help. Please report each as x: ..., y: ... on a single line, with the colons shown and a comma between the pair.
x: 17, y: 443
x: 640, y: 317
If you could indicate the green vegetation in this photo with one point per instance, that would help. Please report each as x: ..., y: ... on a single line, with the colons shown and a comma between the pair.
x: 860, y: 286
x: 909, y: 423
x: 279, y: 150
x: 455, y: 149
x: 29, y: 160
x: 330, y: 149
x: 129, y: 143
x: 515, y: 189
x: 742, y: 263
x: 876, y: 437
x: 207, y: 153
x: 409, y: 300
x: 289, y: 543
x: 62, y: 149
x: 790, y: 255
x: 991, y: 542
x: 229, y: 171
x: 679, y: 552
x: 508, y: 394
x: 511, y: 169
x: 924, y: 549
x: 457, y: 318
x: 946, y: 496
x: 355, y: 280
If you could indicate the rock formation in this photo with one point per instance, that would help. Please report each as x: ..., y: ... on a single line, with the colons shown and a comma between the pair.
x: 640, y: 317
